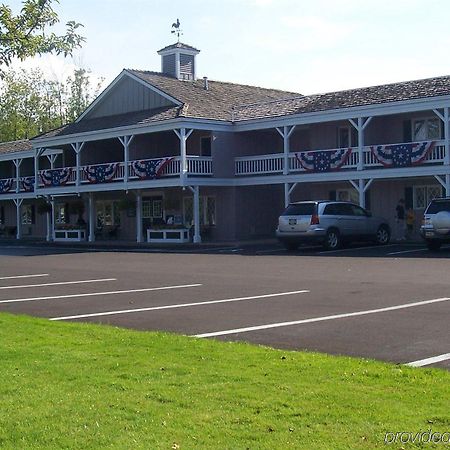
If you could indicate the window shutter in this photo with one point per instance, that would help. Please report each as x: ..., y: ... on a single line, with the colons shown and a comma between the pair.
x: 33, y: 214
x: 367, y: 198
x: 66, y: 213
x: 409, y: 197
x: 332, y: 195
x: 407, y: 131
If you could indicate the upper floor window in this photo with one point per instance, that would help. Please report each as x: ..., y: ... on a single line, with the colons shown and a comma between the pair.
x: 426, y: 128
x: 347, y: 137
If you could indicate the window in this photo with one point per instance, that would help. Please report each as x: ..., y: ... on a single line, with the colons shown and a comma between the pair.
x: 347, y: 195
x: 424, y: 194
x: 60, y: 213
x: 205, y: 146
x: 27, y: 215
x: 207, y: 211
x: 152, y: 208
x: 424, y: 129
x: 108, y: 213
x: 347, y: 137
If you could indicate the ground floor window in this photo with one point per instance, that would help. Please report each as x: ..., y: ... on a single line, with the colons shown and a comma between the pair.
x: 60, y: 213
x: 108, y: 213
x: 347, y: 195
x: 424, y: 194
x: 207, y: 211
x: 152, y: 208
x: 28, y: 215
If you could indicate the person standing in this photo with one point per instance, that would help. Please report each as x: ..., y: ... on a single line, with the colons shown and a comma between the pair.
x: 410, y: 218
x: 400, y: 220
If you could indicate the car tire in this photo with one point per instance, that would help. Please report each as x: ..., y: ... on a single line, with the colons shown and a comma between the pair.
x: 383, y: 235
x: 333, y: 239
x: 434, y: 245
x: 290, y: 246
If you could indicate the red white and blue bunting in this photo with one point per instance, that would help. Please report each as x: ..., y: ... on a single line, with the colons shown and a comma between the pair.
x: 402, y: 155
x: 6, y: 185
x: 56, y: 177
x: 27, y: 184
x: 323, y: 160
x: 102, y: 173
x: 150, y: 168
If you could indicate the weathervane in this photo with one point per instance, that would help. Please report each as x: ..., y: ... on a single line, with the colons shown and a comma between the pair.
x: 176, y: 29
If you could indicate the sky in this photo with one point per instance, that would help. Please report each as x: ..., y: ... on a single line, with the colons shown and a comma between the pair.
x: 304, y: 46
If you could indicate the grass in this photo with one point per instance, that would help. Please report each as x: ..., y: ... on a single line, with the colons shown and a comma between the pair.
x: 80, y: 386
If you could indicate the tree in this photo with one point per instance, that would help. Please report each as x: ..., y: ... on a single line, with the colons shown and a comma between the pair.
x: 26, y: 34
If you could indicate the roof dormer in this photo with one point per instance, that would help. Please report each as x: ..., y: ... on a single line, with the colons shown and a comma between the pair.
x: 178, y: 60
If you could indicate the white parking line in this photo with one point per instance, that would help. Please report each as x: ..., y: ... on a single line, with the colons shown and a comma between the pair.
x: 180, y: 305
x: 59, y: 283
x: 321, y: 319
x: 428, y: 361
x: 25, y: 276
x: 327, y: 252
x: 93, y: 294
x: 408, y: 251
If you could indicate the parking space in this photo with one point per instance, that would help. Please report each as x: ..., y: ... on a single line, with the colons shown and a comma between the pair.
x: 390, y: 303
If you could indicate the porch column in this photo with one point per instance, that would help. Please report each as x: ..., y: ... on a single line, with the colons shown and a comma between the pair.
x: 447, y: 185
x: 52, y: 202
x: 445, y: 119
x: 126, y: 141
x: 197, y: 236
x: 52, y: 159
x: 18, y: 202
x: 37, y: 153
x: 49, y: 223
x: 91, y: 236
x: 285, y: 133
x: 78, y: 146
x: 361, y: 186
x: 138, y: 216
x: 360, y: 126
x: 183, y: 136
x: 17, y: 163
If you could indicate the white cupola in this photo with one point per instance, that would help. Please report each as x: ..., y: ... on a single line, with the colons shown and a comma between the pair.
x: 178, y: 60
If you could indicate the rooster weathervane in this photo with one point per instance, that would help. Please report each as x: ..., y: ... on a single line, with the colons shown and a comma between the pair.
x: 176, y: 29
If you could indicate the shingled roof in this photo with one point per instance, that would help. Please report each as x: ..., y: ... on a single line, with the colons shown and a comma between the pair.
x: 179, y: 45
x: 15, y: 146
x: 386, y: 93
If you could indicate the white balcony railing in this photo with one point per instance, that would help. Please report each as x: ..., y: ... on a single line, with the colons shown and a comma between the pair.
x: 273, y: 163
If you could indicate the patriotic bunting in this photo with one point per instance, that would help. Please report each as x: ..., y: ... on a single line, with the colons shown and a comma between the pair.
x: 323, y: 160
x: 101, y: 173
x: 56, y: 177
x: 5, y: 185
x: 27, y: 184
x: 150, y: 168
x: 402, y: 155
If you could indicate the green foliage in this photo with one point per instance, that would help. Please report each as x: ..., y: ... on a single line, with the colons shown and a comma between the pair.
x: 32, y: 104
x: 84, y: 386
x: 25, y: 34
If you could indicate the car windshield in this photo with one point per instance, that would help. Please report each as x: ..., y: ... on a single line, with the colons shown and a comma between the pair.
x: 302, y: 209
x: 437, y: 206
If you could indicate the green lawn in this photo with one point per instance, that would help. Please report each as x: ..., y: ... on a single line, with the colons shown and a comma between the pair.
x: 79, y: 386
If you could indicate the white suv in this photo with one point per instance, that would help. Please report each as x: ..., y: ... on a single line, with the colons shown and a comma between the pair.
x: 330, y: 223
x: 435, y: 227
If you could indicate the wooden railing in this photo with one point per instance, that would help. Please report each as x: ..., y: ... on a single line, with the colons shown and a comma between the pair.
x: 274, y: 163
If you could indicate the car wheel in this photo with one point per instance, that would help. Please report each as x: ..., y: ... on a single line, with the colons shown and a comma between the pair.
x: 383, y: 235
x: 290, y: 246
x: 333, y: 239
x: 434, y: 245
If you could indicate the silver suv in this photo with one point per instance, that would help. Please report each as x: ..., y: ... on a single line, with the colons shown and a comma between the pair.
x: 435, y: 227
x: 330, y: 223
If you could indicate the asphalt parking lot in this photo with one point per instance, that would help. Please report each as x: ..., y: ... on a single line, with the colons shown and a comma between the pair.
x: 390, y: 303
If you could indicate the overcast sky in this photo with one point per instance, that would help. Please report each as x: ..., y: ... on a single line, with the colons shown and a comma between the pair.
x: 305, y: 46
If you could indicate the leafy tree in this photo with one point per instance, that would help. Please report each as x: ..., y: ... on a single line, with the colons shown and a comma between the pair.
x: 26, y: 34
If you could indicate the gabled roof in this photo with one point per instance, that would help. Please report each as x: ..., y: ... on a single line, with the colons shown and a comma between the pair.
x: 15, y: 146
x: 386, y: 93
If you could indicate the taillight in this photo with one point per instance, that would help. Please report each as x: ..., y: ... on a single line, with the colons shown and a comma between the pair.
x: 314, y: 219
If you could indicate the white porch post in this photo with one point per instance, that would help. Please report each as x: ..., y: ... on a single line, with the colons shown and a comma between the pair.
x: 91, y: 237
x: 78, y: 146
x: 285, y: 133
x: 361, y: 187
x: 52, y: 202
x: 138, y: 216
x: 360, y: 126
x: 183, y: 136
x: 197, y: 236
x: 37, y: 153
x: 126, y: 141
x: 48, y: 223
x: 18, y: 202
x: 52, y: 159
x: 17, y: 163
